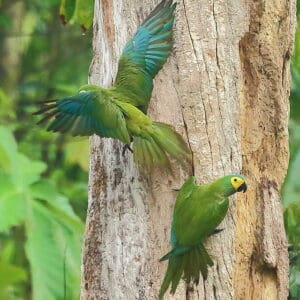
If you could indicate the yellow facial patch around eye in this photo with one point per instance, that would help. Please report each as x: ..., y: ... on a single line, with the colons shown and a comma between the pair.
x: 236, y: 182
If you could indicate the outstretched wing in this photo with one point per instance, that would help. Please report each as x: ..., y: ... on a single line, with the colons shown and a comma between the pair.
x: 145, y: 54
x: 84, y: 114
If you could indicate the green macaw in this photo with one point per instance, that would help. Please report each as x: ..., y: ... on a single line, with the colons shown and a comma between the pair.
x: 198, y: 210
x: 120, y: 111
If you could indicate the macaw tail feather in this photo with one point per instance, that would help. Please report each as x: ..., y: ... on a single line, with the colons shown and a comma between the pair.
x: 188, y: 262
x: 164, y: 143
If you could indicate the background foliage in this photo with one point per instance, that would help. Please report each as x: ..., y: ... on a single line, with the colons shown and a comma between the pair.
x: 43, y: 176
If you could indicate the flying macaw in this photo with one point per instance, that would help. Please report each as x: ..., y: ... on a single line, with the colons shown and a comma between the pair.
x: 198, y: 210
x: 120, y: 111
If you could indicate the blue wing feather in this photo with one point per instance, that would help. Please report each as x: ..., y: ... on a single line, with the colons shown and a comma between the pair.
x: 145, y: 54
x: 85, y: 114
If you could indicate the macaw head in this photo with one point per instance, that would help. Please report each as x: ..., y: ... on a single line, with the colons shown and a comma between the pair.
x: 231, y: 184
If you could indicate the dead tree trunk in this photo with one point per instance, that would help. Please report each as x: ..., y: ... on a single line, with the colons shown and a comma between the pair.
x: 225, y: 88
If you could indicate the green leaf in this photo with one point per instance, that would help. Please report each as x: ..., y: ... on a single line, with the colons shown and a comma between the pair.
x: 26, y: 171
x: 48, y: 237
x: 12, y: 204
x: 56, y: 204
x: 8, y: 148
x: 46, y: 265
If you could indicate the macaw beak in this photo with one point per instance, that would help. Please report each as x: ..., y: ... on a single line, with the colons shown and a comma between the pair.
x: 242, y: 188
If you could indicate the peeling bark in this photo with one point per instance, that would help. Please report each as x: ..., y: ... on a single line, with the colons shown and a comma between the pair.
x: 261, y: 246
x: 225, y: 89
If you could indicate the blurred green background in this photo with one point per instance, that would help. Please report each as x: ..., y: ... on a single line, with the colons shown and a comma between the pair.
x: 43, y: 176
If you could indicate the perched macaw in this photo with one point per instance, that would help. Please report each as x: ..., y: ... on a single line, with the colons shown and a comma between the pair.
x: 120, y: 111
x: 198, y: 210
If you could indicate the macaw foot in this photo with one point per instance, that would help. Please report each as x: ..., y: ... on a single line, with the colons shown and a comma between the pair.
x: 175, y: 190
x: 217, y: 230
x: 126, y: 147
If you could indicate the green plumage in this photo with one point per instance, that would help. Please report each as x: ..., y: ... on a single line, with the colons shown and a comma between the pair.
x: 120, y: 111
x: 198, y: 211
x: 145, y: 54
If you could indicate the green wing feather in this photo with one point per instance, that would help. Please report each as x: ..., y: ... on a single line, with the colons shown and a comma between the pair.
x: 145, y: 54
x: 85, y: 113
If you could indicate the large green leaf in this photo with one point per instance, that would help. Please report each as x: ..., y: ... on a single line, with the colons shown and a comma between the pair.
x: 56, y: 228
x: 56, y: 204
x: 52, y: 228
x: 49, y: 237
x: 26, y: 171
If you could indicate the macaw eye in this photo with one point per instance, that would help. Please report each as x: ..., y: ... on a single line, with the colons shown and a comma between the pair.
x: 235, y: 179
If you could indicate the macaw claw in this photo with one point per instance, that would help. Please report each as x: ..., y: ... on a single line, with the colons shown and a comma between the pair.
x: 126, y: 147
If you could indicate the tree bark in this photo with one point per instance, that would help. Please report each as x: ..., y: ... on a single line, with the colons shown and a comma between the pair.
x: 225, y: 89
